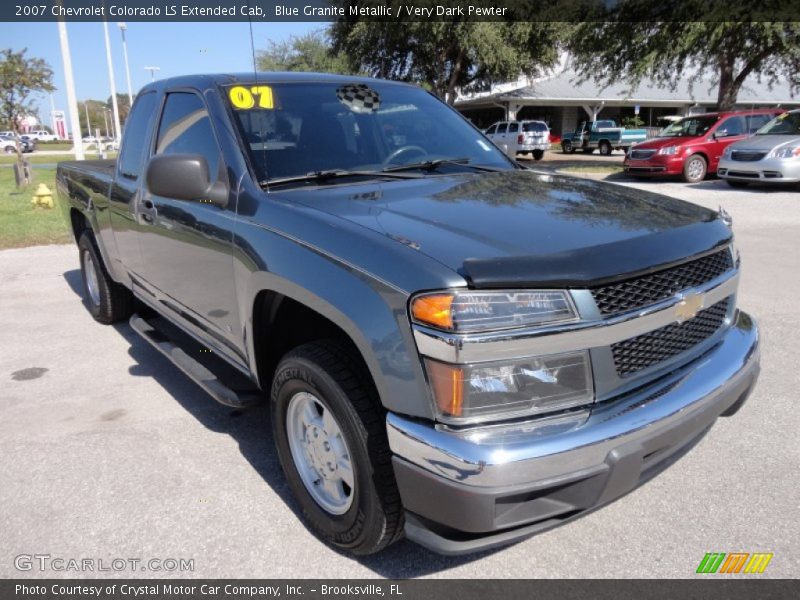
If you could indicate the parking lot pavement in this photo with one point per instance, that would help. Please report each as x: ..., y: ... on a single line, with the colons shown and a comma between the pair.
x: 109, y: 452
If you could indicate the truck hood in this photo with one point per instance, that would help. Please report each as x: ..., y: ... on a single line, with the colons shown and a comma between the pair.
x: 765, y: 142
x: 525, y: 228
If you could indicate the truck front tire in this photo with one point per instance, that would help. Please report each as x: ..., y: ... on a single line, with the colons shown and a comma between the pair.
x: 107, y: 300
x: 567, y: 147
x: 330, y: 433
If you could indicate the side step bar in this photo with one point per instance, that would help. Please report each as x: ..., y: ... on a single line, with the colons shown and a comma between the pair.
x: 191, y: 367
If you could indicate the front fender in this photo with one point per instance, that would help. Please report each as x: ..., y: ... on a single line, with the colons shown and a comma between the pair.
x: 373, y: 313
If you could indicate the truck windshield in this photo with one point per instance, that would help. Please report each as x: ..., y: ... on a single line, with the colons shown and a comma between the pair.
x: 293, y: 129
x: 786, y: 124
x: 689, y: 127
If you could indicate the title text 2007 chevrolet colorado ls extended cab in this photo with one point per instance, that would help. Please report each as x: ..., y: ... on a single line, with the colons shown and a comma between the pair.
x: 454, y: 348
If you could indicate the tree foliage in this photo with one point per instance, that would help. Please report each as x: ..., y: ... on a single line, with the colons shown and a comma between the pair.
x: 20, y: 78
x: 448, y: 56
x: 627, y: 48
x: 309, y: 52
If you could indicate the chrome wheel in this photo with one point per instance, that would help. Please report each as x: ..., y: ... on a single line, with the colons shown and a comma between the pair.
x: 92, y: 284
x: 320, y: 453
x: 695, y: 169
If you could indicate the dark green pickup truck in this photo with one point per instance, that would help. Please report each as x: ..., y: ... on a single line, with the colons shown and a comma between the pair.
x: 604, y: 136
x: 455, y: 348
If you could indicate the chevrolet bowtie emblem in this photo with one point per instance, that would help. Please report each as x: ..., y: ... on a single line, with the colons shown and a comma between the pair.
x: 688, y: 307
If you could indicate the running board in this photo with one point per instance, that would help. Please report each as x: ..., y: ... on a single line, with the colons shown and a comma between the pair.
x: 192, y: 368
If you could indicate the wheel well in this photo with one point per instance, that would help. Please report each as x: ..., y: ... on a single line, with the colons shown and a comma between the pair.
x: 281, y: 324
x: 705, y: 158
x: 78, y: 222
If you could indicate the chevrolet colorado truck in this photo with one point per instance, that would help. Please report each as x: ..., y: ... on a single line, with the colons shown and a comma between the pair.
x: 605, y: 136
x: 454, y: 348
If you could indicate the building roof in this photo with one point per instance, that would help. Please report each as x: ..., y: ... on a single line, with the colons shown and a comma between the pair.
x: 564, y: 88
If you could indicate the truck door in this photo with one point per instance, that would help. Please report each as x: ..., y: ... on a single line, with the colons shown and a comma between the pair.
x: 123, y: 197
x: 187, y: 264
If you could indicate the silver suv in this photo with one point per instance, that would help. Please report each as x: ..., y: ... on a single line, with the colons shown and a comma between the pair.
x: 521, y: 136
x: 772, y: 155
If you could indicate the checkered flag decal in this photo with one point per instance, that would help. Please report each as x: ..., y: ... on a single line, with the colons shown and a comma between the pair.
x: 359, y: 98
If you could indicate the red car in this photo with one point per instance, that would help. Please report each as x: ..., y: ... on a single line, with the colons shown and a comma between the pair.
x: 693, y: 146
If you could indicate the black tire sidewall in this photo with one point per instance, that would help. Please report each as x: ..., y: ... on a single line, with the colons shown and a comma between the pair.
x: 567, y: 148
x: 605, y: 149
x: 297, y: 374
x: 538, y: 154
x: 86, y: 246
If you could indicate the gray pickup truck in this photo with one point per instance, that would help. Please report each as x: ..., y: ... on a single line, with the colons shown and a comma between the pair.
x: 455, y: 348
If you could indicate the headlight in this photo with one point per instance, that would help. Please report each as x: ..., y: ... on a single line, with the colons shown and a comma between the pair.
x: 786, y: 152
x: 669, y: 150
x: 507, y: 389
x: 468, y: 311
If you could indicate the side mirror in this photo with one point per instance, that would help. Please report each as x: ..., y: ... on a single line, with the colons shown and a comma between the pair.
x: 184, y: 177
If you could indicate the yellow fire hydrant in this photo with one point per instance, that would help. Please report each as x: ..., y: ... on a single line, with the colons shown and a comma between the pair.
x: 43, y: 197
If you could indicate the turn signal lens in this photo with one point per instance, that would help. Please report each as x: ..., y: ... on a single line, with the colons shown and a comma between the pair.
x: 435, y: 310
x: 508, y: 389
x: 466, y: 311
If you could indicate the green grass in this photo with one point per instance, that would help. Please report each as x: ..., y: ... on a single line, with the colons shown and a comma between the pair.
x: 593, y: 169
x: 21, y: 223
x: 54, y: 146
x: 37, y: 159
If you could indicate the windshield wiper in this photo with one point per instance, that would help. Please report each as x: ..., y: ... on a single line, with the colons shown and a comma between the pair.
x: 334, y: 174
x: 432, y: 165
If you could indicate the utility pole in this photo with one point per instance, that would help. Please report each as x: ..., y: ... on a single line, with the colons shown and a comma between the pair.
x: 72, y: 104
x: 122, y: 29
x: 152, y: 72
x: 88, y: 122
x: 111, y: 80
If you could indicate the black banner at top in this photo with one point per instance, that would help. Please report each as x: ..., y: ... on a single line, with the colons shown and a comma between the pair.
x: 400, y: 10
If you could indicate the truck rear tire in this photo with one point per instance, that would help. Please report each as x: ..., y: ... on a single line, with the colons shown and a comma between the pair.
x: 107, y: 300
x: 538, y: 154
x: 695, y: 168
x: 605, y: 148
x: 330, y: 433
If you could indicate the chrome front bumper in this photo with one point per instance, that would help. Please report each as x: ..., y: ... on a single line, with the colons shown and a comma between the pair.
x: 772, y: 170
x: 503, y: 484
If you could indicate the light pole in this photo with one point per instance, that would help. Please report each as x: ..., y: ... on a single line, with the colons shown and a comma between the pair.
x: 122, y: 29
x: 105, y: 119
x: 88, y: 122
x: 72, y: 104
x: 152, y: 72
x: 111, y: 78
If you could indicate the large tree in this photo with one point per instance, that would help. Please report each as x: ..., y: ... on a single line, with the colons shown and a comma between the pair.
x: 309, y: 52
x: 448, y: 56
x: 630, y: 48
x: 20, y: 78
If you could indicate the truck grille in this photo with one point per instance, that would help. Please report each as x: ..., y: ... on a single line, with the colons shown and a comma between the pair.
x: 641, y: 154
x: 747, y: 156
x: 618, y: 298
x: 651, y: 348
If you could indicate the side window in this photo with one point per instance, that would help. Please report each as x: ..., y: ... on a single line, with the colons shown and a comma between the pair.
x: 756, y: 122
x: 492, y: 130
x: 732, y: 126
x: 135, y: 133
x: 185, y: 128
x: 513, y: 127
x: 501, y: 127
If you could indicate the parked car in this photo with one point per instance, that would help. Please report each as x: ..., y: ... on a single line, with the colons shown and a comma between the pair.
x: 30, y: 143
x: 7, y: 145
x: 43, y: 135
x: 772, y: 155
x: 692, y: 146
x: 25, y: 145
x: 605, y: 136
x: 454, y: 348
x: 521, y: 136
x: 89, y: 139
